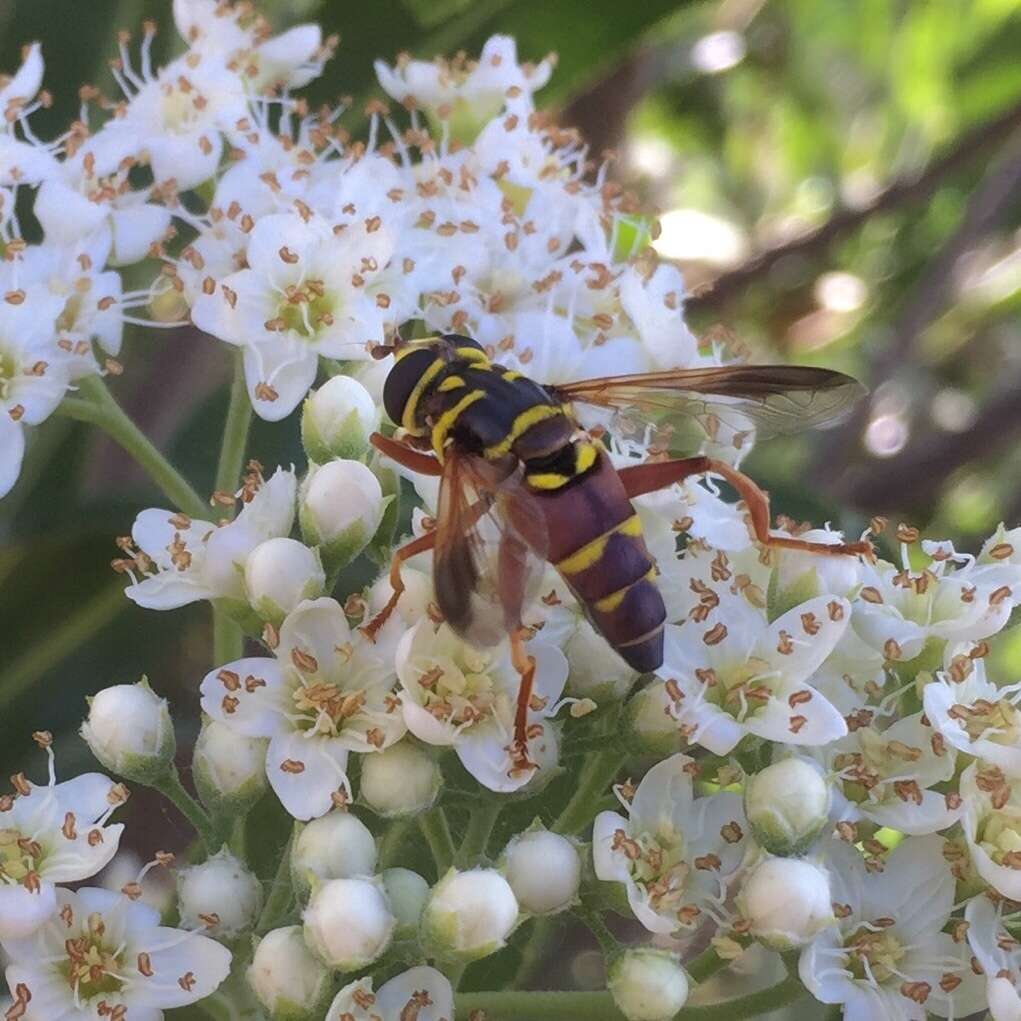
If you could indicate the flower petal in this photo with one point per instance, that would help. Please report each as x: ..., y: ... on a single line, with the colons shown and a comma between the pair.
x: 249, y: 695
x: 305, y: 773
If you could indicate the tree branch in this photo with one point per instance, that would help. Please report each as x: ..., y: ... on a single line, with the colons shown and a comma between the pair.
x: 902, y: 192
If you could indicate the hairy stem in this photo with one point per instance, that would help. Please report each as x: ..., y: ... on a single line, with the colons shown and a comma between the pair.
x: 436, y: 830
x: 280, y: 892
x: 172, y: 789
x: 596, y: 777
x: 476, y: 837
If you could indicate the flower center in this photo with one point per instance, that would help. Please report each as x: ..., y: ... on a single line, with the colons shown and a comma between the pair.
x: 305, y: 309
x: 92, y: 965
x: 458, y: 694
x: 323, y: 707
x: 999, y: 836
x: 658, y: 865
x: 8, y: 370
x: 994, y: 721
x: 181, y: 106
x: 873, y: 954
x: 19, y: 857
x: 742, y: 690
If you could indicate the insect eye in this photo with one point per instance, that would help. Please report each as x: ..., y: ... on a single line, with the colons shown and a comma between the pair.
x: 402, y: 380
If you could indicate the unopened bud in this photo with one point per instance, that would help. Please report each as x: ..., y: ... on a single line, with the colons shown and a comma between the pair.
x: 649, y: 721
x: 787, y: 901
x: 130, y: 731
x: 348, y: 922
x: 596, y: 671
x: 403, y: 780
x: 648, y: 985
x: 290, y: 982
x: 335, y: 846
x: 787, y: 805
x: 407, y: 892
x: 220, y: 896
x: 338, y: 419
x: 229, y: 769
x: 341, y: 506
x: 469, y: 915
x: 544, y: 871
x: 279, y: 574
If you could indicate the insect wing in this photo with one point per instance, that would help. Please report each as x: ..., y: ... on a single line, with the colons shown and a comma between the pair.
x: 741, y: 400
x: 490, y: 544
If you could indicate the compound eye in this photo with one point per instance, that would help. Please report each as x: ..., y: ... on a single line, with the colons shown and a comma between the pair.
x: 401, y: 381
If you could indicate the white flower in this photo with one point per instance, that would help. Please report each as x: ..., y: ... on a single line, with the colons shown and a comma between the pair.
x: 648, y: 985
x: 466, y: 92
x: 886, y: 957
x: 457, y: 695
x: 280, y: 573
x: 992, y: 826
x: 973, y: 715
x: 289, y: 980
x: 337, y: 845
x: 419, y: 994
x: 308, y: 291
x: 29, y: 161
x: 324, y: 695
x: 338, y: 419
x: 58, y: 833
x: 348, y: 922
x: 999, y: 955
x: 12, y: 450
x: 787, y: 901
x: 649, y: 720
x: 229, y: 768
x: 674, y: 853
x: 102, y: 952
x: 469, y: 915
x: 130, y: 731
x: 187, y: 559
x: 737, y: 674
x: 543, y: 869
x: 402, y: 780
x: 340, y: 507
x: 888, y: 775
x: 653, y: 303
x: 787, y: 805
x: 219, y: 896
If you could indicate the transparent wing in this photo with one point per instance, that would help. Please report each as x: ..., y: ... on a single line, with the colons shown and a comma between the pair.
x: 756, y: 400
x: 490, y: 545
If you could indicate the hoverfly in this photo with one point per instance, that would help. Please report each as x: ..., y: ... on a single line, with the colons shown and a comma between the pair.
x: 511, y: 450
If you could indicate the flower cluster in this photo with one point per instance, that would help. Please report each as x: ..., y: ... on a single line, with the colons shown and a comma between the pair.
x: 826, y: 767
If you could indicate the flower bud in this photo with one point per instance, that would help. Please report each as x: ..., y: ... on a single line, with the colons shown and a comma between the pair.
x: 544, y: 871
x: 335, y: 846
x: 340, y: 508
x: 229, y: 769
x: 407, y: 892
x: 649, y: 722
x: 279, y: 574
x: 787, y: 901
x: 287, y: 978
x: 596, y: 672
x: 219, y: 896
x: 468, y: 915
x: 403, y: 780
x: 787, y: 805
x: 130, y: 731
x: 338, y: 419
x: 348, y: 922
x: 648, y: 985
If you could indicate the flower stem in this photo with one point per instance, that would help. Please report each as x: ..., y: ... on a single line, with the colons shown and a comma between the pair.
x: 436, y: 830
x: 280, y: 893
x: 707, y: 964
x: 528, y: 1006
x: 476, y: 836
x: 228, y: 640
x: 596, y: 775
x: 97, y: 405
x: 172, y: 789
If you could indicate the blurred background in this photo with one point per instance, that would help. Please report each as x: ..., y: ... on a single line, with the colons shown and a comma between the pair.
x: 841, y: 184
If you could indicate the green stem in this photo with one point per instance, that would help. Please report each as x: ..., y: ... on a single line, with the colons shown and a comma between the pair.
x: 436, y: 830
x: 228, y: 640
x: 596, y: 776
x: 170, y: 787
x: 392, y: 841
x: 280, y: 892
x: 476, y: 836
x: 533, y: 954
x: 528, y: 1006
x: 608, y: 943
x: 98, y: 406
x: 707, y: 964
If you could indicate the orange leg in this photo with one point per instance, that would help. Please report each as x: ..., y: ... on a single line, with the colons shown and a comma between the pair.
x: 525, y: 666
x: 406, y: 552
x: 647, y: 478
x: 424, y: 464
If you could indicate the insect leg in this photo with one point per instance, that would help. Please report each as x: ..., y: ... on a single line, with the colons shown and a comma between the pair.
x: 406, y: 552
x: 525, y: 666
x: 647, y: 478
x: 424, y: 464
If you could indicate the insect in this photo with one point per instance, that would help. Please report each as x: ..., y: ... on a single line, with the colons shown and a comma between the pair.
x: 511, y: 452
